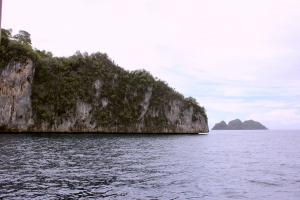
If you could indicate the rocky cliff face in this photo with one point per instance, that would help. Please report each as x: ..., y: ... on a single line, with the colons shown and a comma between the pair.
x: 16, y: 113
x: 239, y: 125
x: 15, y: 90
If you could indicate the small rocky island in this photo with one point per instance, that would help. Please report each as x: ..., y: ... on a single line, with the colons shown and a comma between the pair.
x: 239, y: 125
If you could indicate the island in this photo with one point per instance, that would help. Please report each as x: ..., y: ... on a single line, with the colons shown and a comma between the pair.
x: 86, y: 93
x: 239, y: 125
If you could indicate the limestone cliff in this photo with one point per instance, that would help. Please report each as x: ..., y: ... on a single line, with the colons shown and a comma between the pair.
x: 104, y: 105
x: 15, y: 90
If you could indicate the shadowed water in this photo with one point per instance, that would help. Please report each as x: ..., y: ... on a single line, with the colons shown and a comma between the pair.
x: 220, y: 165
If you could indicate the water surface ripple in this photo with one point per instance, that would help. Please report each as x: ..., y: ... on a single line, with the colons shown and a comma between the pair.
x: 220, y: 165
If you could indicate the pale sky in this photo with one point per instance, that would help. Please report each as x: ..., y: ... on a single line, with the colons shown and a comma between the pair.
x: 238, y: 58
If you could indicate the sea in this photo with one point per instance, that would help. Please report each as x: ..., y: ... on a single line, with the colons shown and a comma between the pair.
x: 257, y: 164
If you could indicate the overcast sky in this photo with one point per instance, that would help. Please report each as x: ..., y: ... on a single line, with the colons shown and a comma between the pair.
x: 238, y: 58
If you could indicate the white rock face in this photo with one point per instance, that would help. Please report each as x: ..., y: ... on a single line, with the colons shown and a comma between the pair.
x: 79, y: 121
x: 104, y: 102
x: 98, y: 84
x: 15, y: 90
x: 146, y: 102
x: 16, y: 110
x: 184, y: 119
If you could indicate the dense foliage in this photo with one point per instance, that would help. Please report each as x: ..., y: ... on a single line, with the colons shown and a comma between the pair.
x: 60, y: 82
x: 15, y: 47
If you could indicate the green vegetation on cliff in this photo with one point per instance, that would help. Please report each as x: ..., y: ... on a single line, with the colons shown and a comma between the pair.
x: 60, y: 82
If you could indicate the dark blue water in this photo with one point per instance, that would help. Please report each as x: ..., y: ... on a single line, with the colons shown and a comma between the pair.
x: 220, y: 165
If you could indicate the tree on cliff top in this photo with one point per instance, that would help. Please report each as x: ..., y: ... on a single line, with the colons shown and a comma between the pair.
x: 17, y: 47
x: 5, y: 36
x: 23, y: 37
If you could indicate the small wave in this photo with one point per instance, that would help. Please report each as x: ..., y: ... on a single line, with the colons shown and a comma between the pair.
x: 264, y: 183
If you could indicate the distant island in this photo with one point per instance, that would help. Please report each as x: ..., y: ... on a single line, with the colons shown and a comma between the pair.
x: 239, y: 125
